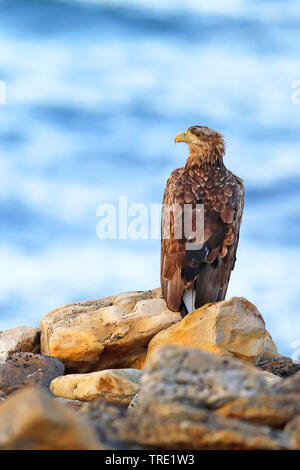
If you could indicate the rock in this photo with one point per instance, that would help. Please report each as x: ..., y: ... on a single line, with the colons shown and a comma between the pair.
x: 293, y: 430
x: 197, y: 378
x: 229, y: 328
x: 2, y: 396
x: 108, y: 333
x: 20, y: 339
x: 281, y: 366
x: 177, y: 426
x: 274, y: 411
x: 27, y: 369
x: 116, y: 386
x: 287, y: 386
x: 31, y: 420
x: 180, y: 388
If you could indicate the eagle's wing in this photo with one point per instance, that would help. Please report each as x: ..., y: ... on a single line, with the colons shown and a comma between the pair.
x: 222, y: 195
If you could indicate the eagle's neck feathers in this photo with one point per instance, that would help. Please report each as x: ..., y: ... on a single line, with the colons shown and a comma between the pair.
x: 206, y: 154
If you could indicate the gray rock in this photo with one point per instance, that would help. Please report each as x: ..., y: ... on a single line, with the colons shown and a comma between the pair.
x: 22, y: 369
x: 197, y: 378
x: 281, y: 366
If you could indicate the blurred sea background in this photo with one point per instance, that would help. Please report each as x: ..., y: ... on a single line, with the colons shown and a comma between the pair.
x: 95, y: 93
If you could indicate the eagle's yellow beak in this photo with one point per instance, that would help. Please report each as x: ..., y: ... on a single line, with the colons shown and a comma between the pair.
x: 187, y: 137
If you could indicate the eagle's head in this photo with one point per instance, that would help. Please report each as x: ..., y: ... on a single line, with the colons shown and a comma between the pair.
x: 205, y: 144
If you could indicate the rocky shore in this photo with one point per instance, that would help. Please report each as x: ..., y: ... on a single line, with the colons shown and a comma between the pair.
x: 124, y: 372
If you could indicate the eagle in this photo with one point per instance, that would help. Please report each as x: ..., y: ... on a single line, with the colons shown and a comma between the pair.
x: 196, y: 270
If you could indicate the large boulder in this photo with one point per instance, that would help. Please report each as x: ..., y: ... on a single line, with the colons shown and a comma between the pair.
x: 28, y: 369
x: 116, y: 386
x: 229, y: 328
x: 180, y: 390
x: 175, y: 374
x: 108, y: 333
x: 20, y: 339
x: 31, y: 420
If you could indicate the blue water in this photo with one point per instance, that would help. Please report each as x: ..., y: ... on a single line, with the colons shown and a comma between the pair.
x: 95, y: 94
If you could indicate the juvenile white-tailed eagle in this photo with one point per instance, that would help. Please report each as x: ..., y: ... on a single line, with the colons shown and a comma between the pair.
x: 192, y: 278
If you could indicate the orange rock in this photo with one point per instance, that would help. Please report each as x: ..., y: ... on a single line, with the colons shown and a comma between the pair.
x: 230, y: 328
x: 31, y: 420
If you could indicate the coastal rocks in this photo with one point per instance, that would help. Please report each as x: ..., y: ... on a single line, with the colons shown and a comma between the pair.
x: 108, y: 333
x: 116, y: 386
x: 28, y: 369
x: 180, y: 390
x: 212, y: 380
x: 274, y: 411
x: 20, y: 339
x: 229, y: 328
x: 197, y: 378
x: 177, y: 426
x: 31, y: 420
x: 281, y: 366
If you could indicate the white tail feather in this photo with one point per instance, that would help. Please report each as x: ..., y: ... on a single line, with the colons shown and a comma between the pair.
x: 189, y: 298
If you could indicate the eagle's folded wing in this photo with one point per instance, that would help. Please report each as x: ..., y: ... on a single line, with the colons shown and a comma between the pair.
x: 211, y: 264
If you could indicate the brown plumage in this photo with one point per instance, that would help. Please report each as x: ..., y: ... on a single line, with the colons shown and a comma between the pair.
x: 203, y: 180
